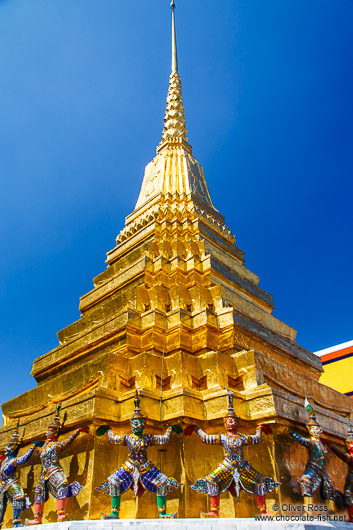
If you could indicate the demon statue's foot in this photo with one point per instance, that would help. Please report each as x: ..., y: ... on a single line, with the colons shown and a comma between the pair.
x: 307, y: 503
x: 62, y: 516
x: 213, y: 514
x: 38, y: 514
x: 264, y: 512
x: 115, y: 509
x: 168, y: 515
x: 113, y: 515
x: 33, y: 522
x: 214, y: 508
x: 331, y: 506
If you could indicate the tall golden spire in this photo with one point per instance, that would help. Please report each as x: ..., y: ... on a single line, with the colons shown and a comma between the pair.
x: 174, y: 130
x: 174, y: 171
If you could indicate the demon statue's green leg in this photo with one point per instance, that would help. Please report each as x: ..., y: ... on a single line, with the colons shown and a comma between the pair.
x: 115, y: 497
x: 161, y: 503
x: 115, y: 508
x: 162, y: 508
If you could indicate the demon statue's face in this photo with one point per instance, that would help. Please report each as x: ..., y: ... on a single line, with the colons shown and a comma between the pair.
x: 51, y: 434
x: 314, y: 431
x: 137, y: 426
x: 11, y: 449
x: 231, y: 424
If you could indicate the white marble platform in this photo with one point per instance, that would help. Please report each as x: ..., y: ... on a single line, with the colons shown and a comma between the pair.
x: 194, y: 524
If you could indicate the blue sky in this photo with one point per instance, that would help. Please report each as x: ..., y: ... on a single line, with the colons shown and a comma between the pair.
x: 267, y: 90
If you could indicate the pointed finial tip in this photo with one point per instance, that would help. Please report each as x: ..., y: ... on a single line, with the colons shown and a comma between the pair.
x: 174, y: 46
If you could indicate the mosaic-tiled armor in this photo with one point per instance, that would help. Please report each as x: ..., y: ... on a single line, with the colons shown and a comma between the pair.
x: 233, y: 473
x: 348, y: 458
x: 53, y: 479
x: 10, y: 489
x: 137, y: 472
x: 315, y: 473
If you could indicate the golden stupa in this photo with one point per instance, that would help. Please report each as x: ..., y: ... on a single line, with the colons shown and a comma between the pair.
x: 178, y: 316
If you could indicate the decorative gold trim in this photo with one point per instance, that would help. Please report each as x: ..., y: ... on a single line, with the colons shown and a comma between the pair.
x: 53, y: 400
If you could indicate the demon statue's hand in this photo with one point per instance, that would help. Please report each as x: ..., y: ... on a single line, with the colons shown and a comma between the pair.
x: 189, y: 430
x: 176, y: 428
x: 102, y: 430
x: 266, y: 429
x: 38, y: 444
x: 83, y: 429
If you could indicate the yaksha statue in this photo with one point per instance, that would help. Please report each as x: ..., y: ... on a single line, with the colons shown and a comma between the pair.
x: 53, y: 479
x: 233, y: 473
x: 348, y: 458
x: 138, y: 473
x: 10, y: 488
x: 315, y: 473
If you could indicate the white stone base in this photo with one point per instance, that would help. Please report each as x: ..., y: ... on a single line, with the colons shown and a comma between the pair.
x: 194, y: 524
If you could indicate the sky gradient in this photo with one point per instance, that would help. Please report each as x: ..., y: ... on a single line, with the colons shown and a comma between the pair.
x: 267, y: 89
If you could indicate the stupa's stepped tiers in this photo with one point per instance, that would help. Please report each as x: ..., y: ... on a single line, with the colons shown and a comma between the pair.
x: 178, y: 316
x: 185, y: 211
x: 172, y: 272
